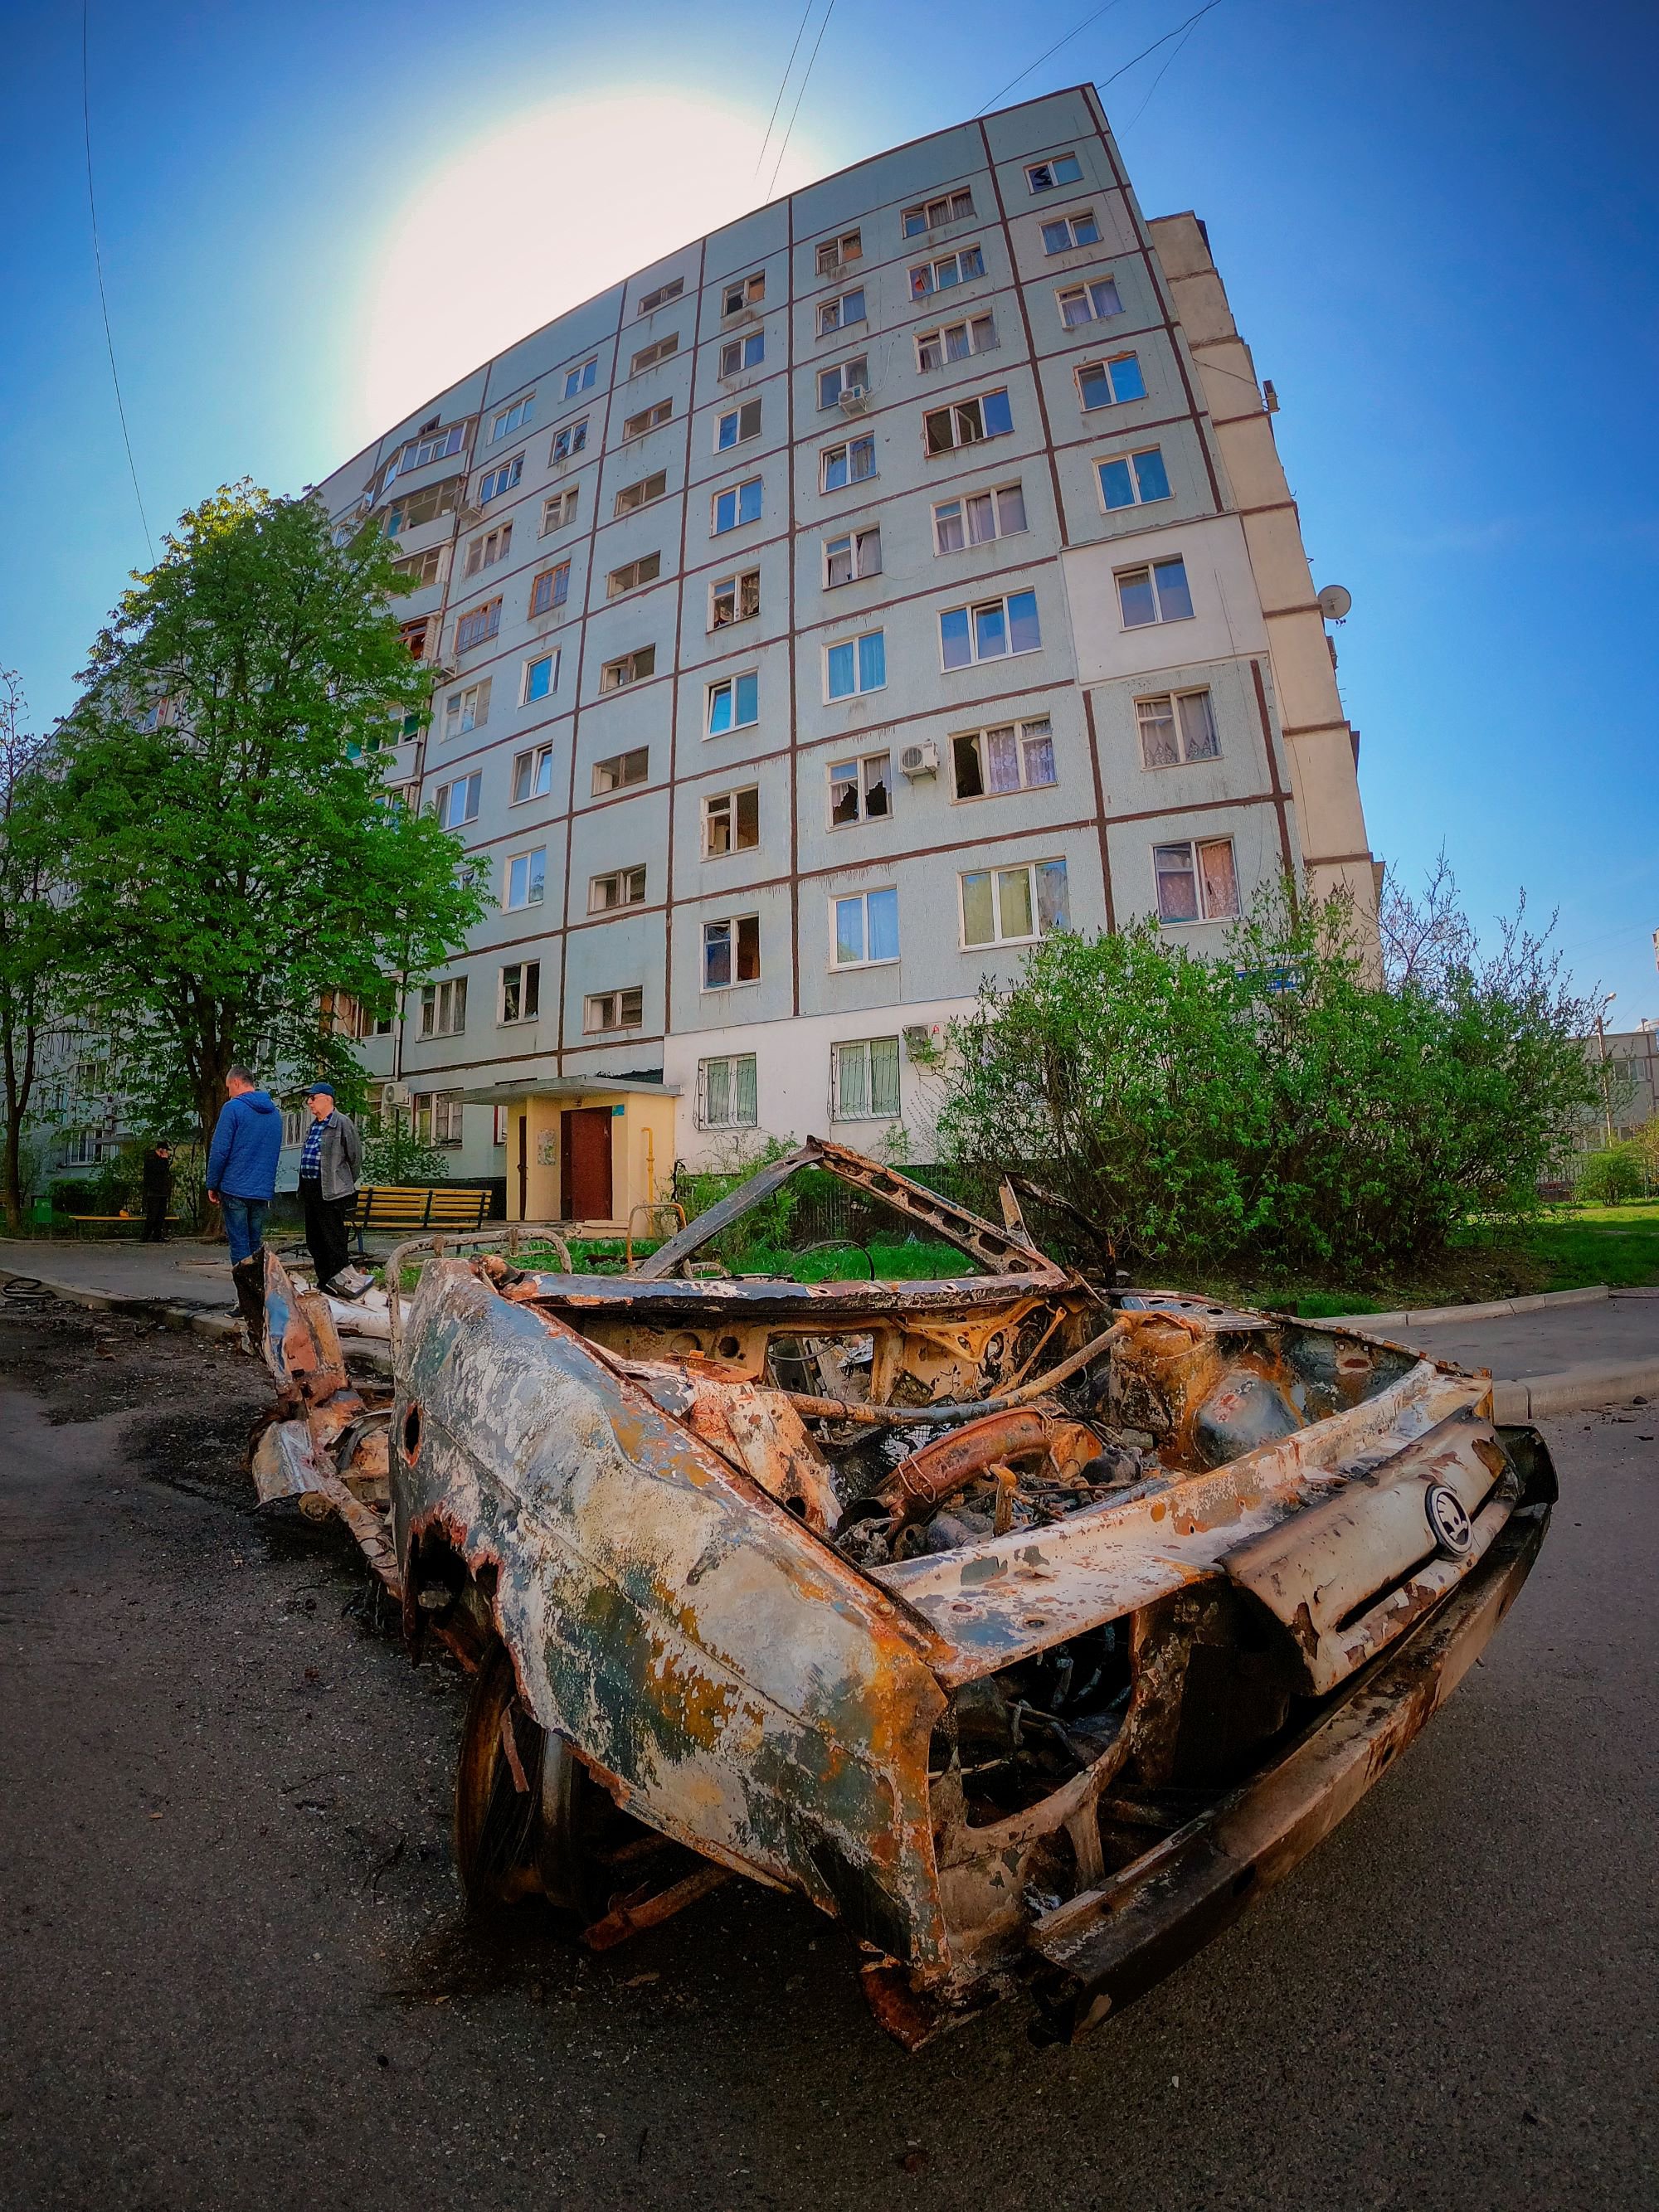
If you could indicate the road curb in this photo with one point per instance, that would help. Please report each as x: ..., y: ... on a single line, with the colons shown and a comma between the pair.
x: 1572, y: 1389
x: 1489, y: 1310
x: 77, y: 1294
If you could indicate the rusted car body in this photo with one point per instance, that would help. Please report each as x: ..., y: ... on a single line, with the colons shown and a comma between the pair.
x: 1028, y: 1626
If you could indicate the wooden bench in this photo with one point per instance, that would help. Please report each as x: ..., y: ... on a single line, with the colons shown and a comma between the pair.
x: 405, y: 1211
x: 117, y: 1222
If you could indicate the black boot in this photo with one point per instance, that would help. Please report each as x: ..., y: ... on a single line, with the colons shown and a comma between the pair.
x: 249, y: 1277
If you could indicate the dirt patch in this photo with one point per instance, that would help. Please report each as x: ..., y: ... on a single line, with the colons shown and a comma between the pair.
x: 83, y: 1365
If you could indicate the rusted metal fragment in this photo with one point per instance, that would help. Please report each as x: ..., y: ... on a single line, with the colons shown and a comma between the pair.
x: 752, y: 1694
x: 648, y: 1908
x: 1107, y: 1946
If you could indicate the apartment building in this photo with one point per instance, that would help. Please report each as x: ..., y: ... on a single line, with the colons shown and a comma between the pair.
x: 821, y: 617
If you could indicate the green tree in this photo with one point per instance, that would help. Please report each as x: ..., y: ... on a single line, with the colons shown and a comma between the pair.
x: 31, y: 933
x: 233, y: 856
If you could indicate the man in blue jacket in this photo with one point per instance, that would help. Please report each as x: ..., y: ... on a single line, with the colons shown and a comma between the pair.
x: 241, y: 1181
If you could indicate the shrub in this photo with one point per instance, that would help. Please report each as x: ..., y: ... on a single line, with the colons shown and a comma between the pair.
x: 764, y: 1227
x: 1609, y: 1176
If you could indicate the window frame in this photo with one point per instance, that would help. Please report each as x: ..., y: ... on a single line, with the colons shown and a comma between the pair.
x: 746, y: 295
x: 924, y: 279
x: 996, y: 493
x: 972, y: 608
x: 747, y: 409
x: 730, y: 1061
x: 582, y: 377
x: 837, y: 1094
x: 737, y: 582
x: 1085, y: 287
x: 854, y: 539
x: 518, y: 416
x: 566, y: 501
x: 930, y: 221
x: 1072, y: 216
x: 1053, y: 163
x: 741, y: 345
x: 844, y: 446
x: 1173, y: 700
x: 489, y: 547
x: 556, y: 577
x: 733, y: 687
x: 621, y: 993
x: 1148, y: 569
x: 524, y: 971
x: 654, y: 356
x: 533, y: 896
x: 854, y: 645
x: 1102, y: 368
x: 573, y: 437
x: 845, y: 380
x: 466, y: 720
x: 833, y: 315
x: 623, y: 877
x: 860, y: 785
x: 1023, y: 729
x: 470, y: 781
x: 1128, y: 461
x: 626, y: 579
x: 832, y: 254
x: 647, y: 497
x: 620, y: 761
x: 495, y: 482
x: 648, y: 419
x: 528, y: 692
x: 623, y: 670
x: 735, y: 925
x: 731, y: 799
x: 442, y: 1007
x: 952, y: 409
x: 650, y: 302
x: 995, y: 870
x: 941, y: 332
x: 735, y: 493
x: 862, y: 898
x: 1193, y: 848
x: 533, y: 756
x: 484, y: 622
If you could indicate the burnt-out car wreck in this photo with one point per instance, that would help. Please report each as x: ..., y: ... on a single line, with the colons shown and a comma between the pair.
x: 1028, y: 1625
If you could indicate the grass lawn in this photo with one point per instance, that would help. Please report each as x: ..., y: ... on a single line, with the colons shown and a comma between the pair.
x: 1617, y: 1245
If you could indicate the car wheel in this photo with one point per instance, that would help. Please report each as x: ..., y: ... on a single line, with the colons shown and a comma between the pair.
x: 523, y: 1800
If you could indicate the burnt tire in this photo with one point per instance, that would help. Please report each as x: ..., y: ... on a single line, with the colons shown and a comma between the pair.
x: 523, y: 1801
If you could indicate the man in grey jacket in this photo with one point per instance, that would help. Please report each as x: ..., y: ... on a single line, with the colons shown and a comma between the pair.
x: 328, y: 1182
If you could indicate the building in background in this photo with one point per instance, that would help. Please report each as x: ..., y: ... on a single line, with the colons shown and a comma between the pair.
x: 821, y: 617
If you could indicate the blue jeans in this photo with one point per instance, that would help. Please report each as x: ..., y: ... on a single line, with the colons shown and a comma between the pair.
x: 245, y: 1225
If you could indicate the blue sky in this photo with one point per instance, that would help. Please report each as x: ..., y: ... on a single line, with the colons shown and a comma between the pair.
x: 1435, y: 225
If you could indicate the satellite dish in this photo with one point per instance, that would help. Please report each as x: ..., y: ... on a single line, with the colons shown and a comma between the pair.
x: 1334, y: 602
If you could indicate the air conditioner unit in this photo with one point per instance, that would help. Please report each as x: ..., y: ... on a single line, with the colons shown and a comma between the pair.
x: 854, y: 399
x: 918, y: 1042
x: 920, y: 760
x: 394, y: 1094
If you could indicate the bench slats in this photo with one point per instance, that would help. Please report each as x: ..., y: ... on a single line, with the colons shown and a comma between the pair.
x: 424, y: 1206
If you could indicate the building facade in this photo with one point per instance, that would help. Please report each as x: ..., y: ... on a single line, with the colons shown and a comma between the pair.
x: 821, y: 617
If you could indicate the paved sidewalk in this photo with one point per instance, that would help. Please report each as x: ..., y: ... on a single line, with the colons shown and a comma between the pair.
x: 1623, y: 1327
x: 186, y: 1272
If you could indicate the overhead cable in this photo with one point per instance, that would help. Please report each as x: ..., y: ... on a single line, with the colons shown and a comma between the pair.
x: 783, y: 85
x: 800, y: 96
x: 103, y: 302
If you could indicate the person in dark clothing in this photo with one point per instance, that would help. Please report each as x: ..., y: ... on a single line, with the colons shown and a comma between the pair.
x: 156, y: 1188
x: 328, y: 1182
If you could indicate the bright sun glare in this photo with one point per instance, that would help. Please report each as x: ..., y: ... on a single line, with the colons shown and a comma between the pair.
x: 543, y: 213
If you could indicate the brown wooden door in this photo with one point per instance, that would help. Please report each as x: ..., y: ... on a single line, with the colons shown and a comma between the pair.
x: 584, y: 1164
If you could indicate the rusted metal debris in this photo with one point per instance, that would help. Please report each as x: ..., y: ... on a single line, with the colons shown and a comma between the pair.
x: 1026, y: 1624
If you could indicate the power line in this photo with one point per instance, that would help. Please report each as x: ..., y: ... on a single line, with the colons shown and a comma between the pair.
x: 800, y: 96
x: 1156, y: 81
x: 103, y: 302
x: 1156, y: 44
x: 783, y: 85
x: 1041, y: 58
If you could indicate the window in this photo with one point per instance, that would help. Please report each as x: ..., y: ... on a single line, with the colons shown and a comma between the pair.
x: 422, y: 567
x: 1109, y: 383
x: 734, y: 703
x: 853, y: 462
x: 978, y: 517
x: 859, y: 791
x: 560, y: 509
x: 989, y: 630
x: 741, y: 504
x: 1012, y: 906
x: 734, y: 600
x: 847, y: 558
x: 443, y: 1007
x: 748, y: 294
x: 731, y: 952
x: 955, y: 342
x: 520, y: 997
x: 620, y: 770
x: 550, y: 589
x: 424, y: 506
x: 495, y: 482
x: 836, y: 314
x: 1196, y: 882
x: 484, y: 551
x: 621, y: 887
x: 1018, y: 757
x: 533, y: 775
x: 662, y: 295
x: 580, y: 379
x: 642, y: 492
x: 498, y: 1125
x: 294, y: 1117
x: 1154, y: 594
x: 649, y: 356
x: 1047, y: 176
x: 725, y: 1092
x: 648, y: 418
x: 414, y: 636
x: 527, y: 877
x: 864, y: 1080
x: 859, y: 664
x: 731, y: 822
x: 437, y: 1117
x: 834, y: 253
x: 645, y: 570
x: 613, y: 1010
x: 950, y: 207
x: 467, y: 709
x: 516, y: 417
x: 965, y: 422
x: 863, y: 929
x: 1066, y: 231
x: 433, y: 446
x: 457, y: 804
x: 629, y: 668
x: 569, y: 442
x: 845, y: 377
x: 540, y: 675
x: 478, y: 625
x: 1133, y: 479
x: 1177, y: 727
x: 738, y: 423
x: 738, y: 354
x: 950, y: 269
x: 1089, y: 303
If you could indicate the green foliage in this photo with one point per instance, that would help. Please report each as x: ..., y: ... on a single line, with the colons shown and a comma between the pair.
x: 1280, y: 1108
x: 1615, y: 1173
x: 34, y: 938
x: 394, y: 1154
x: 763, y: 1228
x: 232, y: 854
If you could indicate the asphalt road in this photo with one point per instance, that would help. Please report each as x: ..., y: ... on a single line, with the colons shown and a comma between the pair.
x: 232, y: 1973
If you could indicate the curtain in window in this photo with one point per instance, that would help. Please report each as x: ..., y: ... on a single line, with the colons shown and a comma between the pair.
x: 883, y: 925
x: 1215, y: 860
x: 743, y: 1092
x: 1014, y: 901
x: 1178, y: 886
x: 883, y: 1075
x: 851, y: 1081
x: 1037, y: 744
x: 1157, y: 732
x: 1003, y: 759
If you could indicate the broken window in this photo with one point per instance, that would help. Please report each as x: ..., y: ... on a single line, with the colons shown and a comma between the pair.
x: 859, y: 791
x: 965, y: 422
x: 856, y: 553
x: 955, y: 342
x: 734, y: 600
x: 521, y: 991
x: 731, y: 952
x: 928, y: 215
x: 1015, y: 757
x: 730, y: 821
x: 1196, y: 881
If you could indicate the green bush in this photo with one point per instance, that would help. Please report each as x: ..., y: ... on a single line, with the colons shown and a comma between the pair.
x: 764, y: 1227
x: 393, y: 1155
x: 1280, y: 1108
x: 1611, y: 1175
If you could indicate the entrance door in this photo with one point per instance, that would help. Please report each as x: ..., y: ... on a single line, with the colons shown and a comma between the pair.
x: 584, y: 1164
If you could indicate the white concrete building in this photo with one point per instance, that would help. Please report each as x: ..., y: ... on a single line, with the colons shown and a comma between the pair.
x: 824, y: 614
